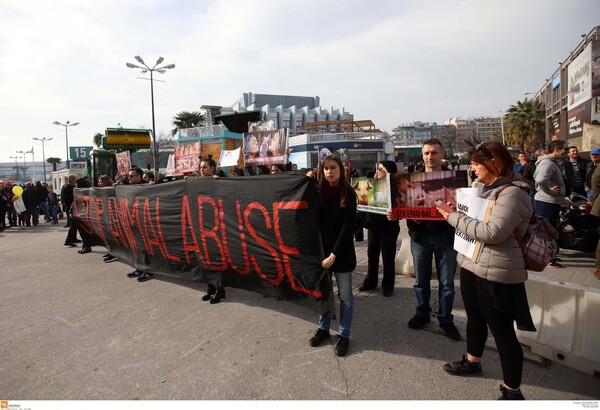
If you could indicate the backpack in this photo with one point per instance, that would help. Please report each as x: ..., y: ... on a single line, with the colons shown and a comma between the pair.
x: 537, y: 243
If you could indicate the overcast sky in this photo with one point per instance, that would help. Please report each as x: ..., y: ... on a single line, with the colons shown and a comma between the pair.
x: 390, y: 61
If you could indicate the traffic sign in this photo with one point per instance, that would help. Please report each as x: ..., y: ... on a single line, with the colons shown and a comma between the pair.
x: 79, y: 153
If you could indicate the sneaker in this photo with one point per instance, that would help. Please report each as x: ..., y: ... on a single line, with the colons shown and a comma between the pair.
x: 451, y: 330
x: 145, y: 276
x: 341, y: 347
x: 510, y: 395
x: 319, y: 337
x: 418, y: 322
x: 110, y: 259
x: 70, y: 244
x: 462, y: 367
x: 106, y: 255
x: 134, y: 274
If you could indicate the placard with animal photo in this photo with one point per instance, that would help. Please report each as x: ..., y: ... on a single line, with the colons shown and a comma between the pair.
x: 413, y: 195
x: 372, y: 194
x: 265, y: 147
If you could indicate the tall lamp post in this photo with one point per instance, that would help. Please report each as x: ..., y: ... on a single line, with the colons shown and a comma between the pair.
x: 16, y: 165
x: 502, y: 126
x: 146, y: 69
x: 24, y: 163
x: 43, y: 139
x: 67, y: 125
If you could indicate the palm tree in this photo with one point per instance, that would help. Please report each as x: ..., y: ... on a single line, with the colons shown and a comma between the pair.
x: 98, y: 139
x: 54, y: 161
x: 186, y: 119
x: 525, y: 124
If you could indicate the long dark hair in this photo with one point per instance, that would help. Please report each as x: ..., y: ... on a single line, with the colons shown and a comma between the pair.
x: 345, y: 187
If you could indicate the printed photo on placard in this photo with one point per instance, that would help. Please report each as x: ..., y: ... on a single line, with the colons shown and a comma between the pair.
x: 265, y: 147
x: 372, y: 194
x: 187, y: 157
x: 413, y: 195
x: 123, y: 162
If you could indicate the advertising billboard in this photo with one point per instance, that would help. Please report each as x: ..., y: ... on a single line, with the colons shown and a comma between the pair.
x: 579, y: 75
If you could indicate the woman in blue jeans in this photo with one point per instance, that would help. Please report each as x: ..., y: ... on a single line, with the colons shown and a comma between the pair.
x: 337, y: 209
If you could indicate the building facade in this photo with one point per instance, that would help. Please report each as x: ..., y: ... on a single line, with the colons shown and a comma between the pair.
x: 452, y: 134
x: 286, y: 111
x: 571, y: 95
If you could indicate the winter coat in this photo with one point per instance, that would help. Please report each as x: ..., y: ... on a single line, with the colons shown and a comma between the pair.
x: 501, y: 259
x: 337, y: 231
x: 547, y: 174
x: 596, y: 190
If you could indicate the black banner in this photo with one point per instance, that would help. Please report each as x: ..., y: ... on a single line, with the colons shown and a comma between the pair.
x: 258, y: 233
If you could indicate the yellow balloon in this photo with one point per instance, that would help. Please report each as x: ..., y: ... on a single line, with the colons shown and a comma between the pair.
x: 17, y: 190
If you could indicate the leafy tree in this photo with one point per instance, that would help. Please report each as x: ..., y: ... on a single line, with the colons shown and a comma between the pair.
x: 163, y: 143
x: 186, y: 119
x: 525, y: 125
x: 54, y: 161
x: 98, y: 139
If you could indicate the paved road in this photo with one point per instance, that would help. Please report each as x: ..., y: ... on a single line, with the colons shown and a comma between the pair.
x: 76, y: 328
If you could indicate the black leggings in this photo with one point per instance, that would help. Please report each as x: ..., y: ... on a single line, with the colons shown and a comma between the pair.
x: 481, y: 313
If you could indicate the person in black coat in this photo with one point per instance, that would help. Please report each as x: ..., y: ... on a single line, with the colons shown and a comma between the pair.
x: 337, y: 210
x: 31, y: 202
x: 382, y: 238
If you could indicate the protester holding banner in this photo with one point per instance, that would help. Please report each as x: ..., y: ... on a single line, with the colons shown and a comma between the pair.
x: 382, y: 238
x: 337, y: 208
x: 433, y: 240
x: 136, y: 177
x: 214, y: 291
x: 493, y: 286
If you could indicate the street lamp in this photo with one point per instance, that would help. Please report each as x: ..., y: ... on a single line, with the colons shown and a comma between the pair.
x: 16, y: 165
x: 24, y: 163
x: 67, y: 125
x: 146, y: 69
x: 43, y: 139
x: 502, y: 127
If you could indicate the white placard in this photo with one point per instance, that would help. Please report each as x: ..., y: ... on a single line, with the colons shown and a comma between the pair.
x: 230, y: 158
x: 469, y: 203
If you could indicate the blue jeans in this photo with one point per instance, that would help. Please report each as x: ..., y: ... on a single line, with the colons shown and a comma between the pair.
x: 440, y: 245
x: 344, y: 284
x: 44, y: 209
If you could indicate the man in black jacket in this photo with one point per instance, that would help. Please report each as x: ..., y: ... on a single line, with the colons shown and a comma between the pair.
x: 30, y: 201
x: 433, y: 240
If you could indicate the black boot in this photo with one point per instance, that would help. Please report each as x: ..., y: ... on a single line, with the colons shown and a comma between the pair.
x: 219, y: 294
x: 210, y: 292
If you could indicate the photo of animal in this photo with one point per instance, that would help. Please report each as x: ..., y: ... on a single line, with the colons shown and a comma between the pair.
x: 363, y: 188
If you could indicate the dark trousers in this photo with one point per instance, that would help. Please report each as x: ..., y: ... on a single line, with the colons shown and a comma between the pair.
x: 481, y: 313
x: 72, y: 234
x: 382, y: 240
x: 549, y: 211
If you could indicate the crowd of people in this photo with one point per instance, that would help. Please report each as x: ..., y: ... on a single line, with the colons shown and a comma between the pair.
x: 492, y: 287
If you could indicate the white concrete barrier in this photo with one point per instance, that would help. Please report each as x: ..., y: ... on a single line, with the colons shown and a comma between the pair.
x: 567, y: 318
x: 404, y: 259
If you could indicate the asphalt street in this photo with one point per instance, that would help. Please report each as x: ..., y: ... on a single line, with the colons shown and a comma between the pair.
x: 75, y: 328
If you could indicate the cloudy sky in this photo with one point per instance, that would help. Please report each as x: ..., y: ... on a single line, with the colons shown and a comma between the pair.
x: 391, y: 61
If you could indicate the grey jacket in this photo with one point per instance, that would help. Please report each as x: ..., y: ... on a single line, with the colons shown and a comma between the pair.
x: 501, y: 259
x: 547, y: 174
